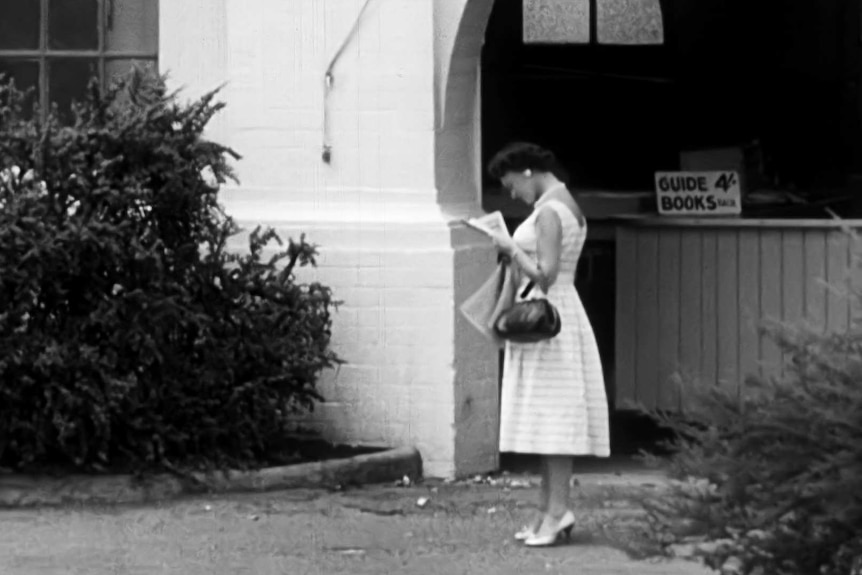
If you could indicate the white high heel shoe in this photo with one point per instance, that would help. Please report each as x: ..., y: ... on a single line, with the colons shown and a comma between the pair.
x: 567, y: 522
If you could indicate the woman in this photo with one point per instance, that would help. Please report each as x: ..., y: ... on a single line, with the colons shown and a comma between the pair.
x: 553, y: 398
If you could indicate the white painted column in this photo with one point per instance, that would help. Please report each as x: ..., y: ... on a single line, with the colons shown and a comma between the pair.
x: 386, y: 247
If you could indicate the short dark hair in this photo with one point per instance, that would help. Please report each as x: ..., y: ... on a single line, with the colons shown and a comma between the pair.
x: 521, y: 156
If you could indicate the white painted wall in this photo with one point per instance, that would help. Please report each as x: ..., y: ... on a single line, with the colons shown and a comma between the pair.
x: 381, y: 210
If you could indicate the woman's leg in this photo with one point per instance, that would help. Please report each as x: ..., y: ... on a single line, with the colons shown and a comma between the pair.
x: 559, y: 478
x: 545, y: 493
x: 558, y: 474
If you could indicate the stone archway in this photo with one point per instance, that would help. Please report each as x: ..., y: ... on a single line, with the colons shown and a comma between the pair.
x: 460, y: 33
x: 460, y: 27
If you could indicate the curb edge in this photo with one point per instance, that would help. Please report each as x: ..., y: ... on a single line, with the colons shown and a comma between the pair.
x: 22, y: 491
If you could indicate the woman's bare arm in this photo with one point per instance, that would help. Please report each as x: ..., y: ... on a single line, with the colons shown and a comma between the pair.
x: 549, y: 244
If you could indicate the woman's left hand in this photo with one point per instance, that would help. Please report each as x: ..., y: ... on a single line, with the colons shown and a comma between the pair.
x: 504, y: 244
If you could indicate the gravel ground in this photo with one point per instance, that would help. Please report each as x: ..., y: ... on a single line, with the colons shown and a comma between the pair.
x: 424, y: 529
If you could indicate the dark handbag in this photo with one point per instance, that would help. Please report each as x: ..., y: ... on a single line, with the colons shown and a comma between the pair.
x: 529, y: 321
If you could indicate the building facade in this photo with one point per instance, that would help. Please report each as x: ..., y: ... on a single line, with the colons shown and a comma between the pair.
x: 357, y: 122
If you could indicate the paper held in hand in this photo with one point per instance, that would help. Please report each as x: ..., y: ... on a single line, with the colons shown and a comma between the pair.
x: 489, y: 224
x: 480, y: 307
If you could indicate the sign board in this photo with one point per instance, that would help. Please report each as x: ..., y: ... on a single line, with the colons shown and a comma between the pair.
x: 698, y: 193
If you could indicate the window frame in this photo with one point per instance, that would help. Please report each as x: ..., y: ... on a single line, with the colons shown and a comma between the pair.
x: 45, y: 54
x: 593, y: 39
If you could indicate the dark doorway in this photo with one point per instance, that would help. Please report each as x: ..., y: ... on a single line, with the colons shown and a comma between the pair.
x: 603, y: 110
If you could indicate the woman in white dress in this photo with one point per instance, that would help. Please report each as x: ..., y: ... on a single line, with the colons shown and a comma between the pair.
x: 553, y: 394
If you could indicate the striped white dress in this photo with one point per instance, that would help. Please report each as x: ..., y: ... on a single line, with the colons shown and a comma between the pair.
x: 553, y: 398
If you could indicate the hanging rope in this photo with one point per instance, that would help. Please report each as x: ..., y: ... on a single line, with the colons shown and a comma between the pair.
x: 329, y: 82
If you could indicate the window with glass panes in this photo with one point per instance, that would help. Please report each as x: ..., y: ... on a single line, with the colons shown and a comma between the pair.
x: 57, y: 46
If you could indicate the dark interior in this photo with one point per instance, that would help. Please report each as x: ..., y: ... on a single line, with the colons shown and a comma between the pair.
x: 782, y: 77
x: 780, y: 80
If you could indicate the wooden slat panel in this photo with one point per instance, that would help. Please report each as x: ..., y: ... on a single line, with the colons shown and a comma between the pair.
x: 770, y: 297
x: 669, y: 318
x: 837, y: 256
x: 626, y: 316
x: 691, y: 327
x: 792, y: 279
x: 749, y: 303
x: 647, y: 317
x: 709, y: 307
x: 727, y: 326
x: 747, y: 223
x: 815, y: 275
x: 692, y: 299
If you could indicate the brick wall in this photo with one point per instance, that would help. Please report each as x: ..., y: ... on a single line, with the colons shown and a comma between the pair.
x: 382, y: 210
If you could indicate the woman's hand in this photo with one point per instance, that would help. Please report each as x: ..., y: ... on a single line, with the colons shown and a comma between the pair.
x: 504, y: 244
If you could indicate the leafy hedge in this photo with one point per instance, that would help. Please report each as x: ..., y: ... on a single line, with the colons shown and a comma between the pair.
x: 770, y: 481
x: 129, y: 335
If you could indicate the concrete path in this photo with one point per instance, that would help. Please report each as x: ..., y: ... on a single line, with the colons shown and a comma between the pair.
x: 460, y: 529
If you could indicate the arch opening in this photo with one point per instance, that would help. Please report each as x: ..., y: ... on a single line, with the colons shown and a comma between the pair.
x: 487, y: 96
x: 477, y: 33
x: 724, y: 89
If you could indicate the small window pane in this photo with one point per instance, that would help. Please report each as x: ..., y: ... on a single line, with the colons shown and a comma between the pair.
x: 19, y: 24
x: 68, y: 79
x: 73, y: 24
x: 132, y: 26
x: 25, y: 73
x: 629, y: 22
x: 556, y: 21
x: 117, y: 68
